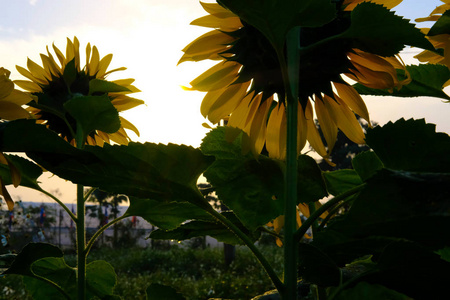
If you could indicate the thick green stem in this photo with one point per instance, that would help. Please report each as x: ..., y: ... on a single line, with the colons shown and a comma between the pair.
x: 290, y: 73
x: 100, y: 231
x: 81, y: 244
x: 313, y: 217
x: 249, y: 243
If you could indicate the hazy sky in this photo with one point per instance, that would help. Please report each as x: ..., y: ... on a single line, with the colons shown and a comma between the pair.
x: 147, y: 36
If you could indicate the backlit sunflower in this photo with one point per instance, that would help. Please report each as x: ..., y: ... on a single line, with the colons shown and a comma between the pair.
x: 246, y: 87
x: 11, y: 102
x: 58, y: 81
x: 439, y: 41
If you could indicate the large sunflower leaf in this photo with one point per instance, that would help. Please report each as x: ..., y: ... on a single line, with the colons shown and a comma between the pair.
x: 442, y: 25
x: 30, y: 254
x: 202, y: 228
x: 158, y: 172
x: 426, y: 80
x: 393, y: 205
x: 29, y: 172
x: 377, y: 30
x: 411, y: 145
x: 253, y: 187
x: 94, y: 113
x: 165, y: 215
x: 55, y: 270
x: 275, y: 18
x: 100, y: 279
x: 341, y: 181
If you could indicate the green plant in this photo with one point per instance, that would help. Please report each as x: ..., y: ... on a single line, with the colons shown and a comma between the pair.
x: 381, y: 247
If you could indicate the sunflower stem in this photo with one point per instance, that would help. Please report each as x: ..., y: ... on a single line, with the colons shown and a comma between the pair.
x: 81, y: 244
x: 290, y: 71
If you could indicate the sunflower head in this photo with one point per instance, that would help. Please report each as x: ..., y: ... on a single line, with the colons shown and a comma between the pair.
x: 439, y: 36
x: 246, y: 87
x: 60, y: 80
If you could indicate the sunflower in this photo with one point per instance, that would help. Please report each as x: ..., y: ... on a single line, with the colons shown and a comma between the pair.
x: 439, y: 41
x: 245, y: 86
x: 11, y: 102
x: 55, y: 83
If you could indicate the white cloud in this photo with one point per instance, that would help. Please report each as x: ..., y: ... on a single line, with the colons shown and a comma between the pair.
x: 33, y: 2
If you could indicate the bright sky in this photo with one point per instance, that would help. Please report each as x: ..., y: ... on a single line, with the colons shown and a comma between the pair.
x: 147, y: 36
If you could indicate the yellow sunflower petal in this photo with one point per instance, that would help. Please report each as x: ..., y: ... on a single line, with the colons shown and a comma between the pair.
x: 122, y: 102
x: 312, y: 133
x: 103, y: 65
x: 59, y: 55
x: 327, y: 123
x: 128, y: 125
x: 4, y: 192
x: 353, y: 99
x: 95, y: 59
x: 258, y: 127
x: 214, y: 8
x: 38, y: 72
x: 28, y: 85
x: 345, y: 119
x: 221, y: 21
x: 208, y: 45
x: 276, y: 133
x: 88, y: 53
x: 49, y: 65
x: 12, y: 111
x: 217, y: 106
x: 216, y: 77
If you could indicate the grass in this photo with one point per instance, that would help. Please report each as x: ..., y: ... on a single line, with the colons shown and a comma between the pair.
x: 197, y: 274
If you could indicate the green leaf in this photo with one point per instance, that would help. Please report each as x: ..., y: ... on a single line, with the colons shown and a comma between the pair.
x: 94, y: 113
x: 411, y: 145
x: 165, y: 215
x: 202, y: 228
x: 316, y: 267
x: 250, y: 187
x: 275, y: 18
x: 29, y: 171
x: 375, y: 29
x: 100, y: 279
x: 442, y: 25
x: 367, y: 291
x: 33, y: 137
x: 55, y: 270
x: 407, y: 268
x: 103, y: 86
x: 341, y: 181
x: 366, y: 164
x: 30, y: 254
x: 253, y: 187
x: 164, y: 173
x: 310, y: 182
x: 426, y: 80
x: 158, y: 291
x: 393, y: 205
